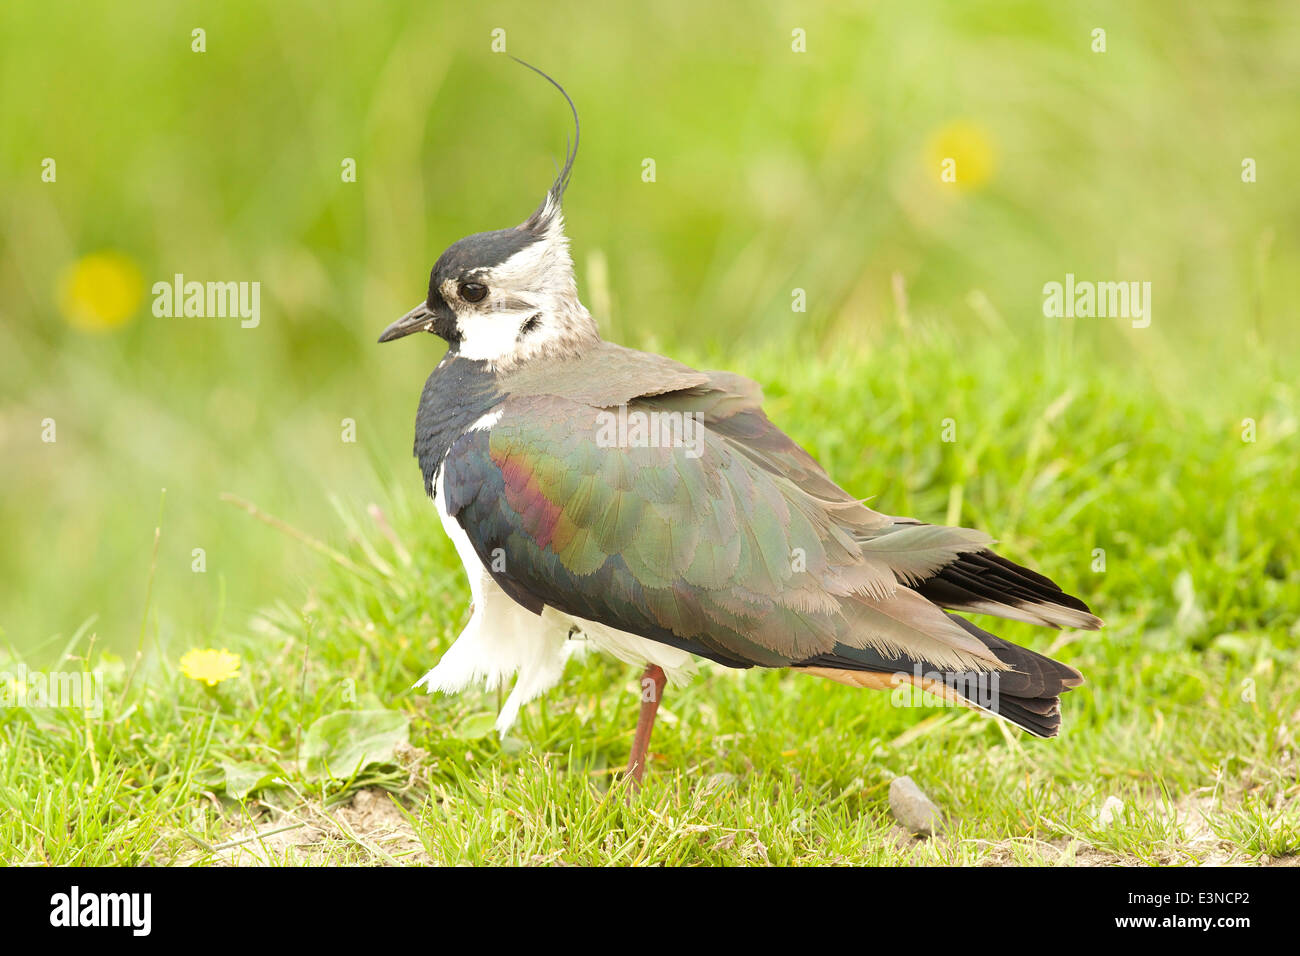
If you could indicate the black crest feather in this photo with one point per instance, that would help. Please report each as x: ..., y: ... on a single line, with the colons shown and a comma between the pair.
x: 551, y: 203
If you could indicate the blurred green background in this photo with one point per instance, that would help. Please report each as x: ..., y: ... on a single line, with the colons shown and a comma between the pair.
x: 775, y: 170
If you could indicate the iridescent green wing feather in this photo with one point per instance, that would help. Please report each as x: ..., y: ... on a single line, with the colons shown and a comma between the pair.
x: 697, y: 544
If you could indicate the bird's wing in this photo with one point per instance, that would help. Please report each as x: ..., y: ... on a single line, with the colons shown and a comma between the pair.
x: 604, y: 376
x: 609, y: 375
x: 714, y: 552
x: 975, y: 580
x: 732, y: 406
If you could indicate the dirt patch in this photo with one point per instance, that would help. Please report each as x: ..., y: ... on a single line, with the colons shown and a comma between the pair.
x: 369, y: 830
x: 1196, y: 844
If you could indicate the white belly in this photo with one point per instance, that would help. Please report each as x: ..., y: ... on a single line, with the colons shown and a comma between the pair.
x: 503, y: 639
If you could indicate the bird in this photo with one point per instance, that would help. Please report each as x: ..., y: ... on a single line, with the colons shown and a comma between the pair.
x: 613, y: 498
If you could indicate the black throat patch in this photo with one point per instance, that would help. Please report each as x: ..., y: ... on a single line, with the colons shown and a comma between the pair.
x: 457, y: 394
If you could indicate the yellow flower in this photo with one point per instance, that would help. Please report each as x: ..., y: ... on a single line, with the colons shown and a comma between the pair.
x: 961, y: 153
x: 100, y: 291
x: 209, y: 666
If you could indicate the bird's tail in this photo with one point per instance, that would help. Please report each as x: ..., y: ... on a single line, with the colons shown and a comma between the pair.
x: 1027, y: 693
x: 984, y: 582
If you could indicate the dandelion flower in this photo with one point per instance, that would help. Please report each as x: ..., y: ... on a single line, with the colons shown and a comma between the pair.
x: 100, y: 291
x: 966, y: 149
x: 209, y: 666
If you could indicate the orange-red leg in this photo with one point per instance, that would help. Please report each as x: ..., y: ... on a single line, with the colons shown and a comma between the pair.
x: 652, y: 689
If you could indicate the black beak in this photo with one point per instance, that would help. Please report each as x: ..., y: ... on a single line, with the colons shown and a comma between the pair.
x: 419, y: 319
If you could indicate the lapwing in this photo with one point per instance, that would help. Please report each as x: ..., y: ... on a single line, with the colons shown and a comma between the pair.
x: 598, y: 494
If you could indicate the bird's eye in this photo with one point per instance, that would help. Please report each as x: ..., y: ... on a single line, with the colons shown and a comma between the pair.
x: 473, y: 291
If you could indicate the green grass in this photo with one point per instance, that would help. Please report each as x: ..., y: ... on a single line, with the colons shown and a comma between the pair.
x: 1188, y: 716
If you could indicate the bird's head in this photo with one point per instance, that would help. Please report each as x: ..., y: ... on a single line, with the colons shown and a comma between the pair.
x: 508, y: 296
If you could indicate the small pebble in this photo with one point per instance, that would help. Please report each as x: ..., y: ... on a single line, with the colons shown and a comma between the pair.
x: 1111, y: 809
x: 912, y: 808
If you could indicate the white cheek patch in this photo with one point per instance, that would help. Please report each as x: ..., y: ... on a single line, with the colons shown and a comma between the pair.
x: 490, y: 337
x: 484, y: 335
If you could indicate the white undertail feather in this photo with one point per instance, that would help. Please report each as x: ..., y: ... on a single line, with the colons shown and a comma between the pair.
x: 678, y: 665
